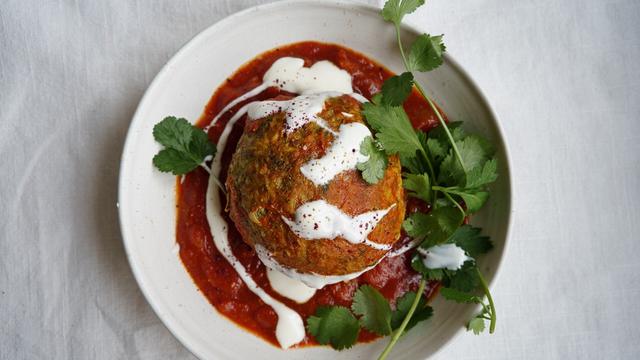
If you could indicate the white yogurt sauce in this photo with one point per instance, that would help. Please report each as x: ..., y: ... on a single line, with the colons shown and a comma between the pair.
x: 299, y: 111
x: 320, y: 220
x: 289, y: 74
x: 445, y: 256
x: 312, y: 280
x: 344, y: 154
x: 290, y: 327
x: 316, y: 84
x: 288, y: 287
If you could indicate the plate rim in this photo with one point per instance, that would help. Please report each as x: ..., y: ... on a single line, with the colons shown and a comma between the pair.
x: 347, y: 5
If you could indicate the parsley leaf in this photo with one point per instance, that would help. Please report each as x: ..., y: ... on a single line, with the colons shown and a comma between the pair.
x: 418, y: 186
x: 395, y: 10
x: 396, y: 89
x: 186, y: 146
x: 403, y: 304
x: 374, y: 310
x: 394, y: 130
x: 373, y: 169
x: 425, y: 53
x: 335, y: 325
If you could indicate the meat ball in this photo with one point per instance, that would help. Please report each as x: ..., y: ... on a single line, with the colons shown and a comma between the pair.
x: 265, y: 184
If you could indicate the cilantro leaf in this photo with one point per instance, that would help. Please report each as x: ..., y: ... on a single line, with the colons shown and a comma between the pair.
x: 482, y: 175
x: 476, y: 325
x: 437, y: 150
x: 471, y: 241
x: 474, y: 151
x: 403, y: 304
x: 415, y: 163
x: 174, y: 161
x: 394, y: 130
x: 335, y: 325
x: 418, y: 186
x: 374, y: 310
x: 459, y: 296
x: 437, y: 226
x: 396, y: 89
x: 474, y: 199
x: 395, y: 10
x: 426, y: 53
x: 464, y: 279
x: 455, y: 128
x: 373, y: 169
x: 431, y: 274
x: 186, y: 146
x: 173, y: 133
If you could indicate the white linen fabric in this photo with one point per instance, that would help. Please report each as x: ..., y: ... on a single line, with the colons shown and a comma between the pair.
x: 563, y: 77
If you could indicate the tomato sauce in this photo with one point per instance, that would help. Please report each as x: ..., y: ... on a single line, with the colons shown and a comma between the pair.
x: 213, y: 275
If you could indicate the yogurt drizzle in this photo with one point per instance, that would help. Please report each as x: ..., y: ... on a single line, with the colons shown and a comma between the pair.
x: 299, y: 111
x: 290, y: 327
x: 289, y: 287
x: 289, y: 74
x: 316, y: 84
x: 445, y: 256
x: 320, y: 220
x: 344, y: 154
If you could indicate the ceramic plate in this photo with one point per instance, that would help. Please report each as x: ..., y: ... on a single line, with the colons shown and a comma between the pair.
x: 183, y: 87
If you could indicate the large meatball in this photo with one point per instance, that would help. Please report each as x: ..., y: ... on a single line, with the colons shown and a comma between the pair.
x: 265, y: 184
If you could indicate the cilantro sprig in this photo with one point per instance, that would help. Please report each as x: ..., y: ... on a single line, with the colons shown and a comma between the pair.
x: 372, y: 169
x: 185, y: 146
x: 370, y: 310
x: 445, y: 167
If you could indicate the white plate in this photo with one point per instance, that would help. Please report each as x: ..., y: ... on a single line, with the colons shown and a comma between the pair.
x: 183, y: 87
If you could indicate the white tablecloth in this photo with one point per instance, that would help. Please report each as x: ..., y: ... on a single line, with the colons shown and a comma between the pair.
x: 564, y: 77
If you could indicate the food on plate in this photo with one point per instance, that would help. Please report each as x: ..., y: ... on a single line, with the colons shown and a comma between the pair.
x: 324, y: 200
x: 299, y: 196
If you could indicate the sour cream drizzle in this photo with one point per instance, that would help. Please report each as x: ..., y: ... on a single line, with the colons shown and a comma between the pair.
x: 446, y: 256
x: 320, y: 220
x: 298, y: 111
x: 344, y: 154
x: 313, y: 280
x: 316, y: 84
x: 289, y: 74
x: 288, y: 287
x: 290, y: 327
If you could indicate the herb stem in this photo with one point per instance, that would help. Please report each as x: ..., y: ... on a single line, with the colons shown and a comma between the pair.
x: 442, y: 123
x: 399, y: 331
x: 445, y: 191
x: 485, y: 288
x: 431, y: 104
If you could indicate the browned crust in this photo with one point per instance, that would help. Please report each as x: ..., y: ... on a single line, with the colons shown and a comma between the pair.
x: 265, y: 183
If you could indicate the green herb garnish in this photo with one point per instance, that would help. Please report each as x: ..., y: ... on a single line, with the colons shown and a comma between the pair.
x: 372, y: 169
x: 334, y: 325
x: 185, y: 146
x: 445, y: 167
x: 337, y: 326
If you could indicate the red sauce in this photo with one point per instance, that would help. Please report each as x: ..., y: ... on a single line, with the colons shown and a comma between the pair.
x: 213, y: 275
